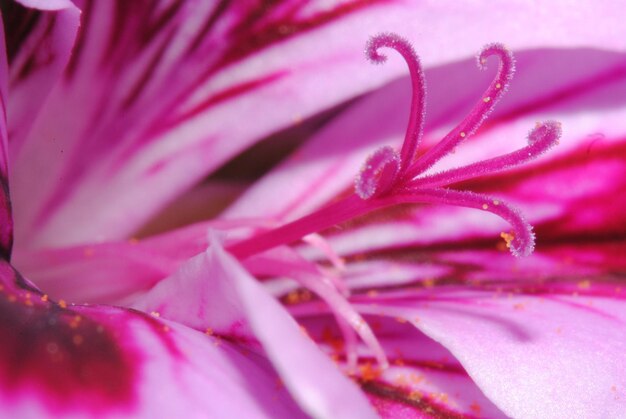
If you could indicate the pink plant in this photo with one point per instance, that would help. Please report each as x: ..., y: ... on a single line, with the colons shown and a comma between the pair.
x: 320, y: 289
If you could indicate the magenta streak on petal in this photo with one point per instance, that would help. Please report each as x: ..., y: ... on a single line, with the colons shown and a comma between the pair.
x: 224, y: 95
x: 249, y: 39
x: 543, y: 137
x: 70, y: 356
x: 477, y: 115
x: 151, y: 67
x: 418, y: 98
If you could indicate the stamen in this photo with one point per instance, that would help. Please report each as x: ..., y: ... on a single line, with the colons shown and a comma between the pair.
x: 382, y: 181
x: 378, y: 173
x: 416, y: 119
x: 478, y: 114
x: 344, y: 313
x: 540, y: 139
x: 523, y: 242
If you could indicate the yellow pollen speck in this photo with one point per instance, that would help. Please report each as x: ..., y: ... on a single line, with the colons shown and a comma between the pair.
x: 62, y: 304
x: 485, y: 206
x: 487, y: 99
x: 584, y: 285
x: 496, y: 202
x: 44, y: 298
x: 498, y: 86
x: 77, y: 339
x: 28, y: 303
x: 400, y: 320
x: 369, y: 372
x: 429, y: 282
x: 519, y: 306
x: 462, y: 135
x: 208, y: 331
x: 508, y: 238
x: 155, y: 314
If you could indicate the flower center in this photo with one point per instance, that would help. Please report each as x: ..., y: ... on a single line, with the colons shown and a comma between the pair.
x: 389, y: 177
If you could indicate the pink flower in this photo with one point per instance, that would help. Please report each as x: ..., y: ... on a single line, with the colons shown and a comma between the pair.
x: 159, y: 298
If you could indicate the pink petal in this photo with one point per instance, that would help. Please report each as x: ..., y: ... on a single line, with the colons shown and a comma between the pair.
x: 39, y: 44
x: 182, y: 127
x: 135, y: 122
x: 547, y: 355
x: 214, y: 291
x: 66, y: 360
x: 423, y: 380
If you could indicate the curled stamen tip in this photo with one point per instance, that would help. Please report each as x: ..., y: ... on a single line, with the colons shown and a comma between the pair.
x: 521, y: 243
x: 548, y: 132
x: 378, y: 173
x: 505, y: 55
x: 389, y: 40
x: 523, y: 248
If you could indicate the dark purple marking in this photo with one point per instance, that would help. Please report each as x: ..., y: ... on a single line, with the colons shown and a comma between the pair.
x: 217, y: 12
x: 81, y: 39
x: 71, y: 358
x: 250, y: 41
x: 422, y: 404
x: 6, y: 221
x: 18, y: 22
x: 145, y: 78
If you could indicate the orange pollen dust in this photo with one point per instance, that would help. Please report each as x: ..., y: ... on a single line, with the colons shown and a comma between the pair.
x: 508, y: 238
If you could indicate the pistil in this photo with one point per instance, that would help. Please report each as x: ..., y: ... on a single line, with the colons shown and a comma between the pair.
x: 390, y: 178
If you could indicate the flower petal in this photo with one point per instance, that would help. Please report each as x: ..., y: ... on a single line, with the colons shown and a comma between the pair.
x: 65, y: 360
x: 548, y: 355
x: 423, y: 380
x: 157, y: 97
x: 214, y: 291
x: 40, y: 37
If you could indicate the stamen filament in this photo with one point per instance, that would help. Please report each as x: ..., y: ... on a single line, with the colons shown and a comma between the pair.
x: 524, y: 239
x: 540, y: 139
x: 416, y: 119
x: 478, y: 114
